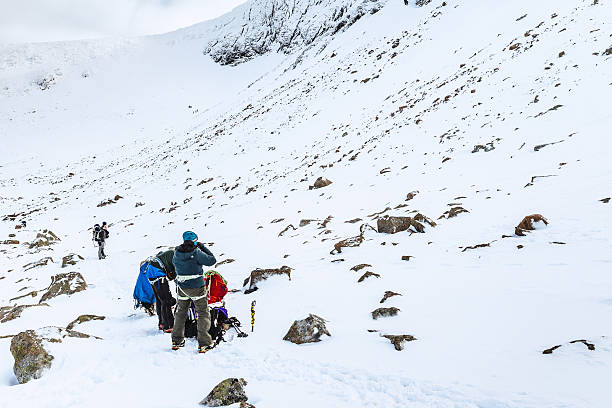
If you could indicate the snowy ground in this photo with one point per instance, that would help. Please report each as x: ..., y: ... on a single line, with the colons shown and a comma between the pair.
x: 396, y: 103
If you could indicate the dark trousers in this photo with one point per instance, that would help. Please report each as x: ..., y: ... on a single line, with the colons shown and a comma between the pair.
x: 101, y: 253
x: 163, y: 303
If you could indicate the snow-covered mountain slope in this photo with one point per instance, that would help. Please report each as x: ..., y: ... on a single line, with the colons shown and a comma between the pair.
x: 496, y: 108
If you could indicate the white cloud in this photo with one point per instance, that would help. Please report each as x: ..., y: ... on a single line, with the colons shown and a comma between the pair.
x: 56, y: 20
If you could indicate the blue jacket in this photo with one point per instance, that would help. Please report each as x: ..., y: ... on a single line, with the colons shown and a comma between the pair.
x: 188, y: 261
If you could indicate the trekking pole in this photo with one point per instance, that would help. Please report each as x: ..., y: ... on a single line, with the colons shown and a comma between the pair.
x: 252, y: 316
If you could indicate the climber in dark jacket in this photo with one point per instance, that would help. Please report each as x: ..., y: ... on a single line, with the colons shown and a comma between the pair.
x: 159, y: 272
x: 188, y: 261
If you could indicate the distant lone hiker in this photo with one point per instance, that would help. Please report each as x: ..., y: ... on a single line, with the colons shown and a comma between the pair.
x: 188, y: 261
x: 100, y: 235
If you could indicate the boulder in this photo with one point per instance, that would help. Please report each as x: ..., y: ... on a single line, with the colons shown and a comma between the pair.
x: 227, y: 392
x: 71, y: 259
x: 31, y: 358
x: 391, y: 225
x: 384, y: 312
x: 320, y: 183
x: 399, y: 340
x: 308, y: 330
x: 44, y: 239
x: 64, y: 284
x: 259, y: 275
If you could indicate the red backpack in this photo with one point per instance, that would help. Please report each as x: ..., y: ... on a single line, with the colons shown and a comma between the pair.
x: 217, y: 286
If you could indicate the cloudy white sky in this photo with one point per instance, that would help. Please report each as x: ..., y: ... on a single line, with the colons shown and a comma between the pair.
x: 56, y: 20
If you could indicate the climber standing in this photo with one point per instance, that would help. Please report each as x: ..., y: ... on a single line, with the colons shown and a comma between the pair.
x: 188, y: 260
x: 100, y: 234
x: 159, y: 269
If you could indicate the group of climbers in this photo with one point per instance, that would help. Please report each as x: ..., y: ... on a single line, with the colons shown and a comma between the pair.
x: 200, y: 295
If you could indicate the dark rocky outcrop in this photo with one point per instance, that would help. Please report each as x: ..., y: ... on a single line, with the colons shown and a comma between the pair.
x: 384, y: 312
x: 10, y: 242
x: 109, y: 201
x: 227, y: 392
x: 71, y: 259
x: 64, y: 284
x: 259, y: 275
x: 399, y: 340
x: 453, y: 212
x: 308, y: 330
x: 347, y: 243
x: 359, y: 267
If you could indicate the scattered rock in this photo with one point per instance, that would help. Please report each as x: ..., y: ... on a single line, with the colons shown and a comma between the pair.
x: 320, y: 183
x: 527, y: 224
x: 41, y: 262
x: 488, y: 244
x: 608, y: 51
x: 31, y: 359
x: 399, y: 340
x: 411, y: 195
x: 384, y: 312
x: 391, y: 225
x: 227, y: 392
x: 110, y: 201
x: 359, y: 267
x: 10, y: 242
x: 64, y: 284
x: 43, y: 239
x: 406, y: 257
x: 389, y: 294
x: 304, y: 223
x: 550, y: 350
x: 83, y: 319
x: 605, y: 200
x: 259, y: 275
x: 347, y: 243
x: 353, y: 221
x: 308, y: 330
x: 367, y: 275
x: 453, y: 212
x: 290, y: 226
x: 487, y: 148
x: 71, y: 259
x: 225, y: 261
x: 589, y: 346
x: 8, y: 313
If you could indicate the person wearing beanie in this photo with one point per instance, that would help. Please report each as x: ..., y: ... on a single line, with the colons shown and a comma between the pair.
x: 189, y: 257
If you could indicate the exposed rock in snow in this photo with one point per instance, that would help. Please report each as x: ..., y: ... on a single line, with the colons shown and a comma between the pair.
x: 320, y: 183
x: 347, y: 243
x: 83, y: 319
x: 308, y: 330
x: 44, y: 239
x: 367, y: 275
x: 527, y: 224
x: 71, y: 259
x: 259, y: 275
x: 588, y: 345
x: 227, y: 392
x: 64, y: 284
x: 359, y: 267
x: 399, y: 340
x: 389, y: 294
x: 41, y: 262
x: 8, y: 313
x: 391, y: 225
x: 31, y: 358
x: 384, y: 312
x: 453, y: 212
x: 283, y: 26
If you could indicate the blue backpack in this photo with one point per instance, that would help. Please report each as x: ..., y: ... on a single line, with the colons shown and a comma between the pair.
x: 143, y: 293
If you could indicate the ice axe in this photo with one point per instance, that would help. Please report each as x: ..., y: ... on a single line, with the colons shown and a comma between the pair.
x: 253, y: 315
